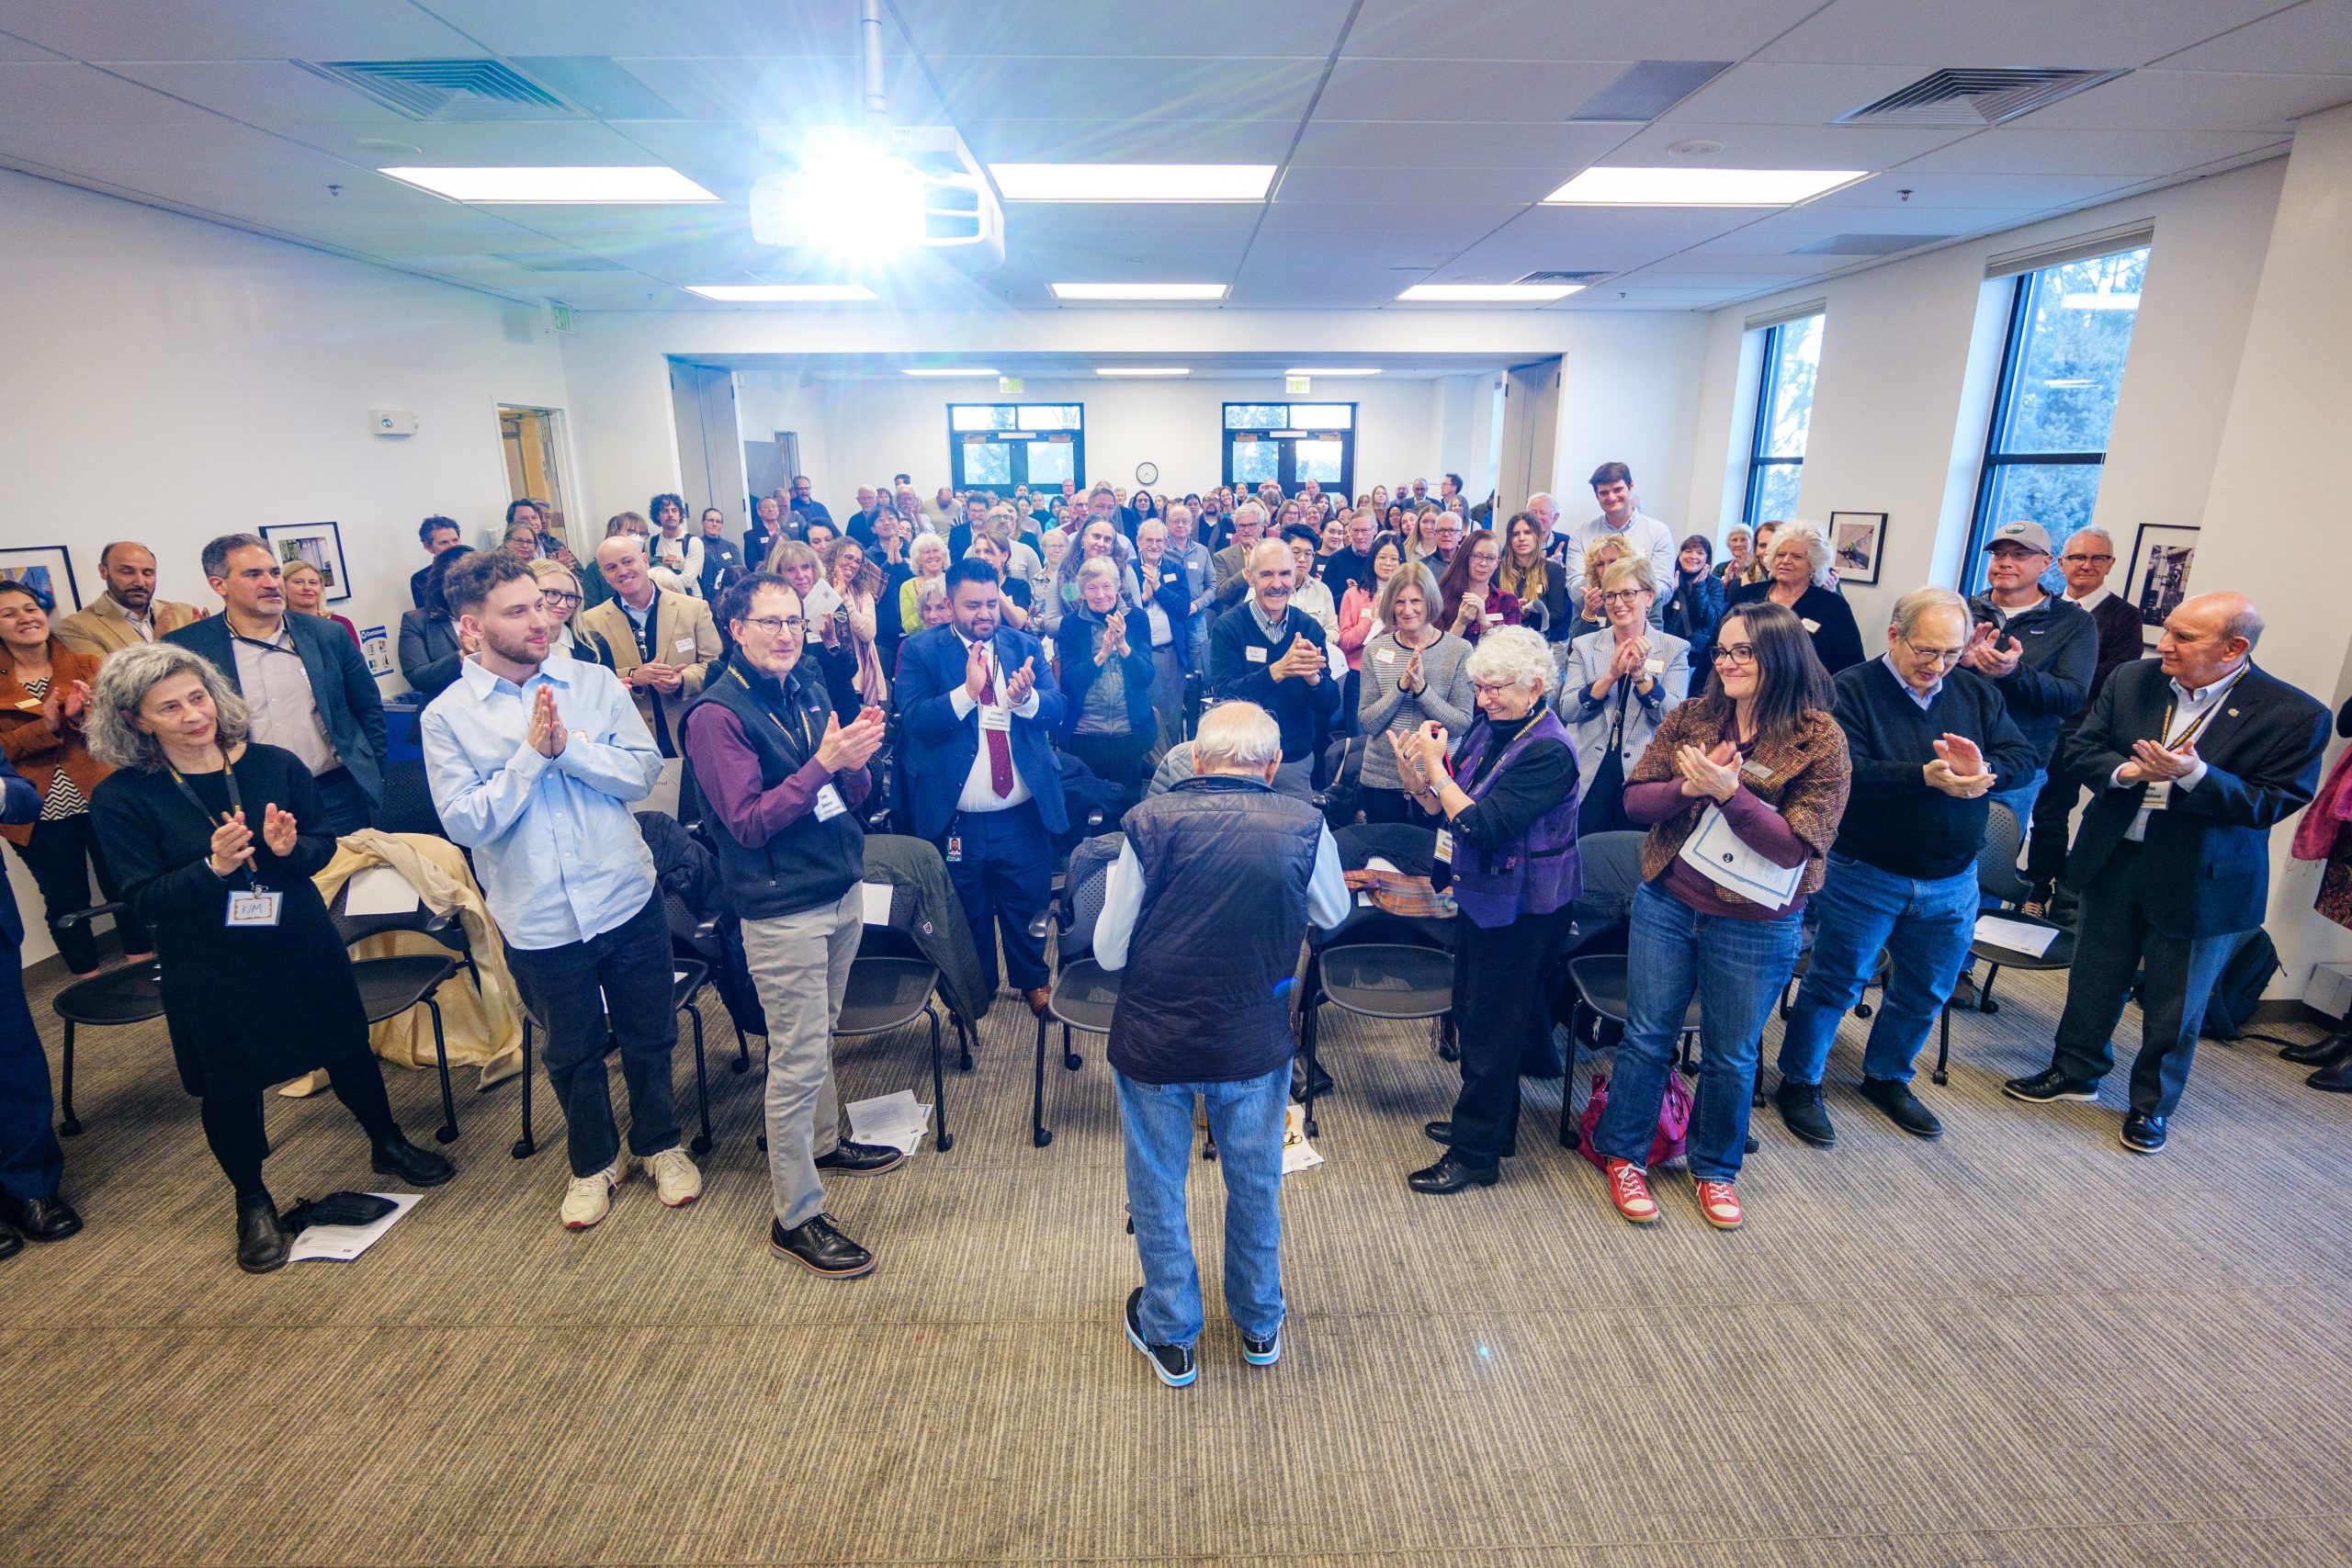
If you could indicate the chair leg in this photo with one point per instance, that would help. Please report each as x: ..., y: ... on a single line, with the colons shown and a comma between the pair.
x: 1070, y: 1059
x: 701, y: 1145
x: 938, y: 1082
x: 963, y: 1043
x: 1984, y: 1002
x: 525, y: 1147
x: 742, y: 1062
x: 1943, y: 1041
x: 1568, y: 1137
x: 447, y: 1132
x: 1039, y: 1133
x: 72, y: 1125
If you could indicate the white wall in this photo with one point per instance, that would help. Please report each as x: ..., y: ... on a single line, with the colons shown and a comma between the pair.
x: 170, y: 380
x: 1628, y: 394
x: 1904, y: 390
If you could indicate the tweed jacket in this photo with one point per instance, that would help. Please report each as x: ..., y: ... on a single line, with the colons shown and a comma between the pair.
x: 38, y: 750
x: 1805, y: 780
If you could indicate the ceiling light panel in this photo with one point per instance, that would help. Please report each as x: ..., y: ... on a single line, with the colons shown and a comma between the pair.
x: 1161, y: 291
x: 1486, y: 293
x: 599, y: 184
x: 1143, y: 370
x: 1613, y: 187
x: 784, y: 294
x: 1133, y: 182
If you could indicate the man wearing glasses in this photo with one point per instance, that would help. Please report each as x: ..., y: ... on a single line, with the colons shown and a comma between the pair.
x: 2086, y: 558
x: 1929, y: 740
x: 2038, y: 648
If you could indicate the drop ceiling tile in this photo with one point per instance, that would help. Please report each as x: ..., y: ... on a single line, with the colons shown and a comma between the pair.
x: 1430, y: 187
x: 2164, y: 99
x: 1770, y: 93
x: 714, y: 28
x: 269, y: 93
x: 1447, y: 91
x: 1587, y: 239
x: 1818, y: 146
x: 1244, y: 32
x: 63, y: 93
x: 1761, y: 280
x: 1168, y: 223
x: 1934, y: 188
x: 2076, y: 35
x: 233, y: 29
x: 1080, y: 141
x: 1569, y: 29
x: 799, y: 89
x: 2025, y: 148
x: 14, y: 48
x: 1417, y: 232
x: 2315, y: 36
x: 575, y: 142
x: 976, y: 86
x: 1402, y: 144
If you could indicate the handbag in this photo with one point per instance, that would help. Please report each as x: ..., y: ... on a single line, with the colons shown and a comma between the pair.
x: 1718, y: 853
x: 1673, y: 1137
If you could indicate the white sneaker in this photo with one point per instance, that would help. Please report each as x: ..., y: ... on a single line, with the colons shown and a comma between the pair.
x: 590, y: 1197
x: 676, y: 1180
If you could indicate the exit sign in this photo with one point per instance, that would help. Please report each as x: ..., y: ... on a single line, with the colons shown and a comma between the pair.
x: 1008, y: 383
x: 1294, y: 384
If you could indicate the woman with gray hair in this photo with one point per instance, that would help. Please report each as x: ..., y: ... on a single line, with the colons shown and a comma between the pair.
x: 215, y: 839
x: 1413, y: 672
x: 1796, y: 577
x: 1508, y: 807
x: 1106, y: 673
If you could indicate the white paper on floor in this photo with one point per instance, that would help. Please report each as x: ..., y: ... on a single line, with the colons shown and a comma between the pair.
x: 341, y: 1244
x: 896, y: 1119
x: 2018, y: 936
x: 1297, y: 1152
x: 378, y: 890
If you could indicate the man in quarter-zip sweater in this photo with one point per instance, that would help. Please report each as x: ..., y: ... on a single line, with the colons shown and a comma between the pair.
x: 2038, y: 648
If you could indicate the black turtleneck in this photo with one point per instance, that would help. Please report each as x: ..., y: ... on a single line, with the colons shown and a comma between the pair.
x: 1539, y: 778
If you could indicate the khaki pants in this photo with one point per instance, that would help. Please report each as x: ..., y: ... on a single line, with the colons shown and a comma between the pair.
x: 800, y: 966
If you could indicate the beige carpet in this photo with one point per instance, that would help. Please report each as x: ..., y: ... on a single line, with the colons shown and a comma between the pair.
x: 2018, y: 1346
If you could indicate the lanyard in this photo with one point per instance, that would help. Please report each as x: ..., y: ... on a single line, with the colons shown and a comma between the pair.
x: 236, y: 805
x: 265, y: 646
x: 2198, y: 724
x: 807, y: 745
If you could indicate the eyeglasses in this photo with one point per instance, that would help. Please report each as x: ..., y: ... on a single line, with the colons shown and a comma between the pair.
x: 553, y: 600
x: 1735, y: 653
x: 2085, y: 560
x: 1932, y: 655
x: 1621, y: 595
x: 776, y: 625
x: 1493, y: 688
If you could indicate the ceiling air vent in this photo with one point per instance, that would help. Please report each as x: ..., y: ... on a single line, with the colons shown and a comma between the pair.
x: 1868, y: 245
x: 1578, y: 278
x: 1970, y: 98
x: 444, y: 89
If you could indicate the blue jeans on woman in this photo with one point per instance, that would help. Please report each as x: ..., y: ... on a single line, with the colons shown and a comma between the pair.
x: 1246, y: 1120
x: 1737, y: 969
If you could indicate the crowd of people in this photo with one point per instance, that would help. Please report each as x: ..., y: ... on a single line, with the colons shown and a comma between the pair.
x: 966, y: 669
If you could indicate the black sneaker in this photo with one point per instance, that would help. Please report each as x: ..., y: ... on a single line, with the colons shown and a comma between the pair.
x: 1263, y: 1353
x: 1171, y: 1363
x: 1902, y: 1106
x: 817, y: 1247
x: 2051, y: 1084
x: 1801, y: 1109
x: 860, y: 1160
x: 2144, y: 1133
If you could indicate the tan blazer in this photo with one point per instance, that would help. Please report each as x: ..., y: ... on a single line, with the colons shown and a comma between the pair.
x: 106, y: 627
x: 684, y: 634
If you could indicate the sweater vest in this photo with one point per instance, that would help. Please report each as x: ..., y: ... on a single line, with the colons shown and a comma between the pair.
x: 810, y: 864
x: 1539, y: 874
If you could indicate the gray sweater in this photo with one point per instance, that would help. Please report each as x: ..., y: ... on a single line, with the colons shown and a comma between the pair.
x: 1446, y: 697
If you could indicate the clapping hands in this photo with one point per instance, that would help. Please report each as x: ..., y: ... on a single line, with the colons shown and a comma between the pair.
x: 1713, y: 773
x: 1959, y: 769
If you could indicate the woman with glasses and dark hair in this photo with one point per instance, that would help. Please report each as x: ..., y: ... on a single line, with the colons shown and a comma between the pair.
x: 431, y: 651
x: 1743, y: 789
x: 560, y: 596
x: 1615, y: 685
x: 1472, y: 602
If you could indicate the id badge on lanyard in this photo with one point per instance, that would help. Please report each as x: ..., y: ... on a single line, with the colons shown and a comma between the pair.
x: 252, y: 905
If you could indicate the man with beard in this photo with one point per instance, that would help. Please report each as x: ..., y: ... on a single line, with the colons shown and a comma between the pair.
x: 128, y: 610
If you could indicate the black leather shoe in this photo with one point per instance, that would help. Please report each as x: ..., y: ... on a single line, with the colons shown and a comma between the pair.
x: 2324, y: 1052
x: 11, y: 1243
x: 1173, y: 1364
x: 1802, y: 1112
x: 1902, y: 1106
x: 860, y: 1160
x: 418, y: 1168
x: 1440, y: 1132
x: 262, y: 1241
x: 2144, y: 1133
x: 2337, y: 1080
x: 2051, y: 1084
x: 816, y: 1246
x: 1452, y: 1174
x: 40, y: 1219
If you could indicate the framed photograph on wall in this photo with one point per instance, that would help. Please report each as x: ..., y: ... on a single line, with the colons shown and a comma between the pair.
x: 1856, y: 541
x: 48, y: 570
x: 2161, y: 559
x: 321, y: 544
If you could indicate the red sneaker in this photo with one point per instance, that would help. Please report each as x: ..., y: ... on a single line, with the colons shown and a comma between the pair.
x: 1629, y: 1189
x: 1719, y: 1204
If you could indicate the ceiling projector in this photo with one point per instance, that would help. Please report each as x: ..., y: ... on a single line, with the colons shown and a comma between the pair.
x: 879, y: 192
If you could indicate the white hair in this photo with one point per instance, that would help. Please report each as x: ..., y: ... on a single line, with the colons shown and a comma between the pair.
x: 1514, y: 655
x: 1817, y: 548
x: 1236, y: 735
x: 1249, y: 508
x: 2093, y: 528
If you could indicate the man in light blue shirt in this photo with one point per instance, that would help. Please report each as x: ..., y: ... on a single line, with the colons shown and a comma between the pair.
x: 533, y: 762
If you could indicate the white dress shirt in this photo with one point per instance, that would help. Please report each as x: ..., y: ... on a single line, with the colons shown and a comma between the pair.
x: 1643, y: 536
x: 979, y: 785
x: 2191, y: 713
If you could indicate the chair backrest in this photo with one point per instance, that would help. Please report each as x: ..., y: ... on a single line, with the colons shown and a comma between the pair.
x: 1082, y: 891
x: 442, y: 929
x: 1997, y: 859
x: 407, y: 805
x: 1613, y: 873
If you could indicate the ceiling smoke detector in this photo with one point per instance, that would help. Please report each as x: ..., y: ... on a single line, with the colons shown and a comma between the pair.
x: 1697, y: 147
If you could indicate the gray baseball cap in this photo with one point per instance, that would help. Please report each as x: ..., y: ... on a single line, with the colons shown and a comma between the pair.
x: 2033, y: 536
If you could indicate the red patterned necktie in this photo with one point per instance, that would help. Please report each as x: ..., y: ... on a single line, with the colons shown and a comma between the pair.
x: 1000, y: 744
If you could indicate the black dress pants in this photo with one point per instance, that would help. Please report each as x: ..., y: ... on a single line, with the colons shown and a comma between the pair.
x: 232, y: 1123
x: 1500, y: 1007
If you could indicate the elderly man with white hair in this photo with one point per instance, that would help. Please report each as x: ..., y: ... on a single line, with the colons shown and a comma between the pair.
x: 1205, y: 911
x: 1268, y: 651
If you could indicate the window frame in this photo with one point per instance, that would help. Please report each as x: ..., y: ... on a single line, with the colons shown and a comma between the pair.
x: 1760, y: 420
x: 1286, y: 437
x: 1017, y: 441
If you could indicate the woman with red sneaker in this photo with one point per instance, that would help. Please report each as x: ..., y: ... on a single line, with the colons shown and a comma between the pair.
x: 1742, y: 789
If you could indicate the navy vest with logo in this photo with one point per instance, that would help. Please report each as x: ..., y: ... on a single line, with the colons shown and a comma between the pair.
x: 810, y: 864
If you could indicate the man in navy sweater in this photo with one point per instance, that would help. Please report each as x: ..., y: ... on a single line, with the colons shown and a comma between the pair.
x: 1929, y: 741
x: 1267, y: 651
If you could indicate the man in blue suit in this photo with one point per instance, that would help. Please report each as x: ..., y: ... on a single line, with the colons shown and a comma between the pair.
x: 31, y: 1164
x: 308, y: 687
x: 977, y: 702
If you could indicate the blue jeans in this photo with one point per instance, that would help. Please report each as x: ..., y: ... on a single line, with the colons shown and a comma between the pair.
x: 1737, y: 969
x: 1246, y: 1120
x: 1926, y: 928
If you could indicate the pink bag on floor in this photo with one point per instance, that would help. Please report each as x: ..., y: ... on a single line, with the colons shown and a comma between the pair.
x: 1673, y: 1122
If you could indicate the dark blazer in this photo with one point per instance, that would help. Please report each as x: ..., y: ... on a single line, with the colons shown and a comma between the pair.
x: 2210, y: 844
x: 936, y: 748
x: 340, y: 684
x: 428, y: 653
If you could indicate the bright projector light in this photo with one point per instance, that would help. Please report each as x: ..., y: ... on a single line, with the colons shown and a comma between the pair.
x: 846, y: 196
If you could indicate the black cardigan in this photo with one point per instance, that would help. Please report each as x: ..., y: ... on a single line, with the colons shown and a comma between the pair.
x: 1838, y: 643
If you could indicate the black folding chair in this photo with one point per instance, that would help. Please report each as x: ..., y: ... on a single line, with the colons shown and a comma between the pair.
x: 1600, y: 982
x: 1084, y: 994
x: 689, y: 975
x: 388, y: 986
x: 407, y: 805
x: 1996, y: 877
x: 889, y: 991
x: 131, y: 993
x: 1373, y: 964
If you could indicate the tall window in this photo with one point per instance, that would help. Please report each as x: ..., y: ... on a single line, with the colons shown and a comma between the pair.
x: 1290, y: 444
x: 2070, y: 326
x: 998, y: 446
x: 1784, y: 418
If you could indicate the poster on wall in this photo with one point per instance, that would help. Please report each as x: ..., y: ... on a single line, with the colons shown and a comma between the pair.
x: 2161, y: 559
x: 48, y: 570
x: 320, y: 545
x: 376, y: 647
x: 1857, y: 541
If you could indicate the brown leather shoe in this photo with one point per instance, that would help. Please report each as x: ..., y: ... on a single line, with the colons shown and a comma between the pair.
x: 1039, y: 998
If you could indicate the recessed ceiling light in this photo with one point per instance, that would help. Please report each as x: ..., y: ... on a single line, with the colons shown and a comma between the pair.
x: 783, y: 293
x: 1701, y: 188
x: 1139, y: 290
x: 948, y: 370
x: 552, y: 185
x: 1133, y: 182
x: 1142, y: 370
x: 1487, y: 293
x: 1333, y: 370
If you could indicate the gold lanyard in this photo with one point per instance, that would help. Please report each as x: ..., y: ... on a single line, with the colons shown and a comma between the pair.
x: 2198, y: 724
x: 808, y: 743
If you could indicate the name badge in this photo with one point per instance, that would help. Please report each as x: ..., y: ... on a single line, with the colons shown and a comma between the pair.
x: 1167, y: 577
x: 1493, y: 617
x: 955, y: 849
x: 1386, y: 656
x: 2159, y: 794
x: 1445, y: 846
x: 996, y: 718
x: 1255, y: 654
x: 685, y: 644
x: 29, y: 703
x: 829, y: 804
x: 258, y: 907
x: 1755, y: 770
x: 1654, y: 666
x: 1809, y: 625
